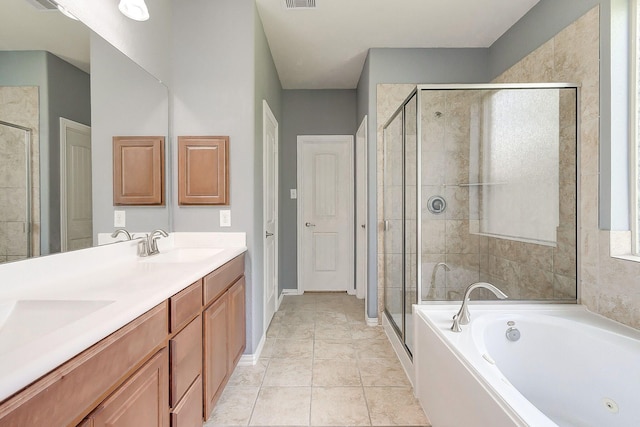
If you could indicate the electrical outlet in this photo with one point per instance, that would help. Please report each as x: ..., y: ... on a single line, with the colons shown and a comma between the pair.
x: 225, y: 218
x: 294, y: 193
x: 119, y: 219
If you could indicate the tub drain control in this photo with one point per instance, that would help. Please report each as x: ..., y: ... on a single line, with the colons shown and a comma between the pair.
x: 513, y: 334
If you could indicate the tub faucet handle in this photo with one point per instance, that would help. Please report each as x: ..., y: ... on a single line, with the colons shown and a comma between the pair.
x: 463, y: 317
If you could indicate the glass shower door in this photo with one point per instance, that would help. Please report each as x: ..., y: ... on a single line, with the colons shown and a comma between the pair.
x: 393, y: 224
x: 15, y: 189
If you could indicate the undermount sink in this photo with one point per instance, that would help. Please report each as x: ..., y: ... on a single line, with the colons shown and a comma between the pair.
x: 22, y: 321
x: 184, y: 255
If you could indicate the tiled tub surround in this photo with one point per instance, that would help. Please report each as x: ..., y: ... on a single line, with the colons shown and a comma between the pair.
x: 321, y: 365
x: 113, y: 275
x: 18, y: 105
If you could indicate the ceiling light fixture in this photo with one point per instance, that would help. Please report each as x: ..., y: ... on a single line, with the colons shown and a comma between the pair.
x: 134, y: 9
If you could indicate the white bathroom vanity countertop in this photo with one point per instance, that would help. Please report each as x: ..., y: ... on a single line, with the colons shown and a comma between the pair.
x: 54, y: 307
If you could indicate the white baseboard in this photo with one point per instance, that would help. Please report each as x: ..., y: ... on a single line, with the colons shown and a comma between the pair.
x: 291, y: 292
x: 280, y: 301
x: 351, y: 291
x: 252, y: 359
x: 371, y: 321
x: 398, y: 347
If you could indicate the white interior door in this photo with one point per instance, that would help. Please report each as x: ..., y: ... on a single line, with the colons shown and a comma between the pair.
x: 325, y: 213
x: 76, y: 213
x: 270, y: 184
x: 361, y: 210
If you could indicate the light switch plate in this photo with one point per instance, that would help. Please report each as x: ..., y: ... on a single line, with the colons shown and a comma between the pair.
x: 119, y: 219
x: 225, y: 218
x: 294, y: 193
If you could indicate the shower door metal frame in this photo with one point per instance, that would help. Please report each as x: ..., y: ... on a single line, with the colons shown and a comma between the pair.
x: 28, y: 137
x: 418, y: 90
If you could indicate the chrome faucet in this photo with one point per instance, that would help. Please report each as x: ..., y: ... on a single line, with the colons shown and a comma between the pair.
x: 152, y: 243
x: 120, y: 231
x: 463, y: 317
x: 435, y: 270
x: 148, y: 244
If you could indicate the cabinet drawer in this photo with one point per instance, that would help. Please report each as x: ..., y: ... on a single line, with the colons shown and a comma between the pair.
x: 216, y: 282
x: 184, y: 305
x: 186, y: 358
x: 67, y: 393
x: 188, y: 413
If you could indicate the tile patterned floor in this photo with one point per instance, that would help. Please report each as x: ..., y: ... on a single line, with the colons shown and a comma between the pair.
x: 321, y: 366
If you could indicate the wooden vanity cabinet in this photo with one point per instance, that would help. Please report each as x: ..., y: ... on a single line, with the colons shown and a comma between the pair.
x: 166, y: 368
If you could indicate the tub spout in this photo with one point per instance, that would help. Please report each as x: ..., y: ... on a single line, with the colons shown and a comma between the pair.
x: 463, y: 317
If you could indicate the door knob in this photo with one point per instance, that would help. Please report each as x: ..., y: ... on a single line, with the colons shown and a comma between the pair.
x: 267, y: 234
x: 308, y: 224
x: 363, y: 226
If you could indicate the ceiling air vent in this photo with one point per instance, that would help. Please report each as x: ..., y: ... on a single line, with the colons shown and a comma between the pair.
x: 297, y: 4
x: 42, y: 4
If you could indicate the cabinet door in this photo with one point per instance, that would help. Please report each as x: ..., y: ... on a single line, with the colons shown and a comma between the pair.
x: 203, y: 170
x: 142, y: 401
x: 216, y: 352
x: 237, y: 334
x: 138, y: 170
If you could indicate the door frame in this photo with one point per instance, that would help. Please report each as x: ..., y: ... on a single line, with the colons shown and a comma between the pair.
x: 64, y: 125
x: 301, y: 140
x: 361, y: 242
x: 267, y: 114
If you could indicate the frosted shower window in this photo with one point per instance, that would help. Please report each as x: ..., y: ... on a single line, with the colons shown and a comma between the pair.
x: 517, y: 164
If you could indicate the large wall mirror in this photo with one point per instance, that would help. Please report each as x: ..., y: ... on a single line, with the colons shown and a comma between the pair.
x: 64, y: 93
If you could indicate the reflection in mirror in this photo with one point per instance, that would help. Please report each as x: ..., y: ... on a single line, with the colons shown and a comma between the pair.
x: 46, y: 88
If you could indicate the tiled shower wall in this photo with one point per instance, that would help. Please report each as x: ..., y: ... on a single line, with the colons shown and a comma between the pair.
x: 18, y: 105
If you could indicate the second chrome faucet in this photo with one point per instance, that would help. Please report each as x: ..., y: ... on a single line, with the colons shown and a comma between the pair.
x: 463, y: 317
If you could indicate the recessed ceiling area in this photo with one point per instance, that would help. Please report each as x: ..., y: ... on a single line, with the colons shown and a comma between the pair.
x: 325, y: 47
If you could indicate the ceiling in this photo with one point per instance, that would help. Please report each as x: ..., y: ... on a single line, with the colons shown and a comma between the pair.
x: 325, y: 47
x: 321, y: 48
x: 23, y: 27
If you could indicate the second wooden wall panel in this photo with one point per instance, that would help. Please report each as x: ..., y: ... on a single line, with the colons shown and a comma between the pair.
x: 203, y: 170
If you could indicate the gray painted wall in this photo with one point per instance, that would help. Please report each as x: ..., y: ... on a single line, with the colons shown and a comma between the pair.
x: 126, y: 101
x: 305, y: 112
x: 69, y: 97
x: 64, y: 92
x: 217, y: 52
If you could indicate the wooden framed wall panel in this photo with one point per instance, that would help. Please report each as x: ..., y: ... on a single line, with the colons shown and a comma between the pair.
x: 203, y: 170
x: 138, y: 170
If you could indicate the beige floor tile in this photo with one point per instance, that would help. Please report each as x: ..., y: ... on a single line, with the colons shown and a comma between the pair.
x: 333, y: 349
x: 374, y: 349
x: 285, y: 348
x: 335, y: 372
x: 297, y: 331
x: 234, y: 407
x: 339, y: 406
x: 274, y: 329
x: 394, y: 406
x: 383, y: 372
x: 361, y: 331
x: 282, y: 406
x: 288, y: 372
x: 269, y: 346
x: 249, y: 375
x: 335, y: 332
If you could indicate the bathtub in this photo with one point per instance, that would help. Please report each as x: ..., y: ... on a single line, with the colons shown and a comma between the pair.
x: 569, y: 367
